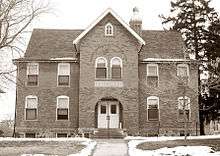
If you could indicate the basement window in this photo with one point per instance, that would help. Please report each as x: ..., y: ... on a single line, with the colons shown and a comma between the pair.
x: 61, y: 135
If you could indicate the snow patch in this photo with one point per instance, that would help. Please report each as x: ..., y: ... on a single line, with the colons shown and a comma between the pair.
x: 90, y: 144
x: 176, y: 151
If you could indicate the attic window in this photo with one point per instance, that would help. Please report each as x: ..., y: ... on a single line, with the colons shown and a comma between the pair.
x: 109, y: 29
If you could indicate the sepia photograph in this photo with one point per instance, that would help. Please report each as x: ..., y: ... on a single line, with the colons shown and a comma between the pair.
x: 109, y: 78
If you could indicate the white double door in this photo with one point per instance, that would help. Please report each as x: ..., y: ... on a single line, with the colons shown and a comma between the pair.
x: 108, y: 114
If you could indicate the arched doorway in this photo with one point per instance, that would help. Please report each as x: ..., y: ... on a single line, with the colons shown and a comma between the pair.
x: 109, y: 113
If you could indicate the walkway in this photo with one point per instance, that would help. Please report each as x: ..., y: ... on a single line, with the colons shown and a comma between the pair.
x: 111, y: 147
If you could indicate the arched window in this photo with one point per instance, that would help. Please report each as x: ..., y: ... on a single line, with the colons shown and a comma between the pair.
x: 116, y: 68
x: 62, y: 107
x: 31, y: 104
x: 101, y: 68
x: 153, y: 108
x: 184, y: 105
x: 109, y: 29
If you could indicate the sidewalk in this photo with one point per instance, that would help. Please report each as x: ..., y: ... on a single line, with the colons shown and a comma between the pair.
x: 110, y: 147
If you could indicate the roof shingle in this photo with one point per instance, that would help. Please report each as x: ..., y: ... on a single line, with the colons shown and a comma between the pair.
x: 53, y: 43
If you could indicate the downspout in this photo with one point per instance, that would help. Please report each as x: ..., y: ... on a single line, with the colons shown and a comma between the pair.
x: 14, y: 131
x: 139, y: 130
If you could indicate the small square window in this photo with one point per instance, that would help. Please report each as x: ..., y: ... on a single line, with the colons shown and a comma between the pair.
x: 61, y: 135
x: 30, y: 135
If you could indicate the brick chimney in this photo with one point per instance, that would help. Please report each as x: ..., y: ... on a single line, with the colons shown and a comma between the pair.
x: 136, y: 21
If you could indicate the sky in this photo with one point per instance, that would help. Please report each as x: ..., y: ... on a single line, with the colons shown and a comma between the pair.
x: 78, y: 14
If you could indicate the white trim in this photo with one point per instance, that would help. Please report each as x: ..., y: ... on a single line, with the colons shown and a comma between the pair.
x: 34, y: 97
x: 62, y: 96
x: 182, y: 65
x: 170, y: 60
x: 106, y: 28
x: 58, y: 71
x: 106, y: 66
x: 158, y: 106
x: 109, y: 10
x: 121, y: 65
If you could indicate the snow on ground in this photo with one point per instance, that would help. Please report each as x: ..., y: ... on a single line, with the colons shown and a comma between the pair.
x: 90, y: 144
x: 176, y: 151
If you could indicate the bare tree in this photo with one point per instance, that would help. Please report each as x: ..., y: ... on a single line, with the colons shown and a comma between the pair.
x: 15, y: 18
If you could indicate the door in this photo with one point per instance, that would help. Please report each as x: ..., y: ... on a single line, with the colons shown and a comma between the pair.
x: 108, y: 114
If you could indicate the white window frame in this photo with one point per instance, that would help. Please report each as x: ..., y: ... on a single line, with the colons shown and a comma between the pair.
x: 158, y: 105
x: 121, y: 65
x: 26, y: 99
x: 27, y: 73
x: 61, y: 97
x: 182, y: 65
x: 188, y: 105
x: 106, y: 29
x: 58, y: 73
x: 149, y: 75
x: 106, y: 65
x: 152, y: 65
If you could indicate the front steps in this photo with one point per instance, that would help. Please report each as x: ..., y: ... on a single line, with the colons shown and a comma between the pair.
x: 111, y: 133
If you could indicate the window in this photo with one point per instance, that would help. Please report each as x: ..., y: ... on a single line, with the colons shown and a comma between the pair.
x: 152, y: 75
x: 182, y: 70
x: 113, y: 109
x: 30, y: 135
x: 32, y: 74
x: 31, y: 107
x: 63, y: 74
x: 116, y: 68
x: 184, y: 105
x: 153, y: 108
x: 109, y: 29
x: 103, y: 109
x: 62, y: 108
x: 101, y: 68
x: 61, y: 135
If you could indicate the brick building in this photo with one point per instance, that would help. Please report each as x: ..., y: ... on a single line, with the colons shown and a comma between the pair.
x: 110, y: 75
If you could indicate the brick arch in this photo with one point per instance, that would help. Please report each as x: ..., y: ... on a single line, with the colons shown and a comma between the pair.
x: 108, y: 51
x: 105, y: 98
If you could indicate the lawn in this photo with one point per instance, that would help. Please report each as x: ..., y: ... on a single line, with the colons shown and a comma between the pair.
x: 58, y: 147
x: 174, y: 146
x: 214, y: 143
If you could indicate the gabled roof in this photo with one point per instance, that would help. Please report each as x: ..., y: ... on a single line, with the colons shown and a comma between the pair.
x: 51, y: 43
x: 109, y: 10
x: 45, y: 45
